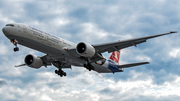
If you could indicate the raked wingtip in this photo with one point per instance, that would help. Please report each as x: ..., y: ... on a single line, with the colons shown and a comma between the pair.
x: 173, y: 31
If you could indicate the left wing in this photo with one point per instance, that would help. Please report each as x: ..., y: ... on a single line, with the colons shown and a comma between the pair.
x: 115, y: 46
x: 50, y: 60
x: 20, y: 65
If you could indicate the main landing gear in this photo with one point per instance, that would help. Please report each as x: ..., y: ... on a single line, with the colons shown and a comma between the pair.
x: 59, y: 65
x: 15, y: 43
x: 89, y: 66
x: 60, y: 72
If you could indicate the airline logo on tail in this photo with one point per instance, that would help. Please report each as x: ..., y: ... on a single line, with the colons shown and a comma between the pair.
x: 115, y: 56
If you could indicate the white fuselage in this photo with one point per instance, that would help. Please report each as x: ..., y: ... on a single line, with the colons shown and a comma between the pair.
x: 49, y: 44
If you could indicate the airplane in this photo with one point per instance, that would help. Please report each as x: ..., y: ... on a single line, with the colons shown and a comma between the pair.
x: 64, y: 54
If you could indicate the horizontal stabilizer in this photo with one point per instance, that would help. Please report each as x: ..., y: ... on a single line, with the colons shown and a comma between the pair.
x: 132, y: 65
x: 20, y: 65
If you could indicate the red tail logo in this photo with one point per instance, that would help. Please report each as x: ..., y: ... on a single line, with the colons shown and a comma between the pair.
x: 115, y: 56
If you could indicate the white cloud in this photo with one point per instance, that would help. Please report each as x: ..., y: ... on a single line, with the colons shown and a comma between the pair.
x: 175, y: 53
x: 143, y: 58
x: 133, y: 89
x: 60, y: 22
x: 4, y: 49
x: 91, y: 33
x: 94, y: 22
x: 47, y: 85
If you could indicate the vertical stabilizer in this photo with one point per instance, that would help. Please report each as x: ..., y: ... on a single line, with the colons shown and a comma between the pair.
x: 115, y: 56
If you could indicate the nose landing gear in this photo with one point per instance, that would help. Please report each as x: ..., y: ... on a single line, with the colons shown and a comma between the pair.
x: 15, y: 43
x: 16, y: 49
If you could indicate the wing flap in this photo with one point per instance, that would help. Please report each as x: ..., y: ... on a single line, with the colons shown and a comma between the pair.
x: 67, y: 66
x: 132, y: 64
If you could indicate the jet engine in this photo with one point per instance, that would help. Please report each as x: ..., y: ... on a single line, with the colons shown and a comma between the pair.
x: 85, y: 49
x: 33, y: 61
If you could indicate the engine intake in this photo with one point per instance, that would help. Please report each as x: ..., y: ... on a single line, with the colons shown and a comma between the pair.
x: 85, y: 49
x: 33, y: 61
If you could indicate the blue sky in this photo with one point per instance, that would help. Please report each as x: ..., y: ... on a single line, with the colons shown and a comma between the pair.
x: 95, y: 22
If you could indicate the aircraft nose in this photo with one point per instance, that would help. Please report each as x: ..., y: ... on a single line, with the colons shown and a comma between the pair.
x: 4, y: 29
x: 7, y: 31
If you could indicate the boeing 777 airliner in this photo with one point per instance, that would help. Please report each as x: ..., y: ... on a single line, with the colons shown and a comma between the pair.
x: 63, y: 54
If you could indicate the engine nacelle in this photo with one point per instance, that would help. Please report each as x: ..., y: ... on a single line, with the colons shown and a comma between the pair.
x: 33, y: 61
x: 85, y: 49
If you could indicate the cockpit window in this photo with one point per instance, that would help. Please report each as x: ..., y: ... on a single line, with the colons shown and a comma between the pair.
x: 10, y: 25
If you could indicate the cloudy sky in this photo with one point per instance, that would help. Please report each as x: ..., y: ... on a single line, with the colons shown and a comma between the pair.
x: 95, y: 21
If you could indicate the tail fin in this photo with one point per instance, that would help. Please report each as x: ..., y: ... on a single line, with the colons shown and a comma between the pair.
x: 115, y: 56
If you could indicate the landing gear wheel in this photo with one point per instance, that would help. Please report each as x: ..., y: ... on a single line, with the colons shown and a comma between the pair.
x: 56, y: 71
x: 16, y: 49
x: 60, y: 73
x: 64, y: 74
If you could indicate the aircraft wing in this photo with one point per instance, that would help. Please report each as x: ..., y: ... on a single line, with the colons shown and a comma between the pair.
x: 48, y: 61
x: 20, y: 65
x: 52, y: 60
x: 132, y: 65
x: 115, y: 46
